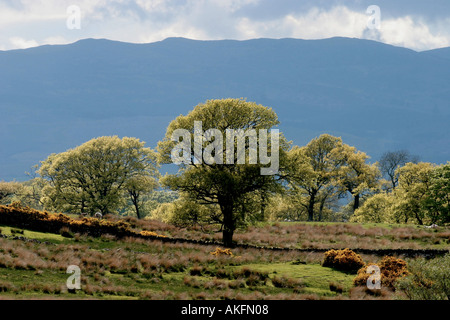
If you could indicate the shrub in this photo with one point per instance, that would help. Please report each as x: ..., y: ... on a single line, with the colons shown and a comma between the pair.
x: 344, y: 260
x: 196, y: 270
x: 427, y: 280
x: 150, y: 234
x: 236, y: 284
x: 252, y: 277
x: 222, y: 273
x: 222, y: 252
x: 16, y: 231
x: 284, y: 282
x: 391, y: 269
x: 65, y: 232
x: 146, y: 233
x: 336, y: 287
x: 6, y: 286
x: 254, y: 280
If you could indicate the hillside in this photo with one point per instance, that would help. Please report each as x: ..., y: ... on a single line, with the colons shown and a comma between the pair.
x: 377, y: 97
x: 34, y: 260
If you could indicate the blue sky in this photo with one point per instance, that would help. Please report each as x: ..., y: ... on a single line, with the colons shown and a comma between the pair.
x: 419, y: 25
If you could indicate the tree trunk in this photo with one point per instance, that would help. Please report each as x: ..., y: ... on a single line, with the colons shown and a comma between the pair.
x: 228, y: 224
x: 322, y: 205
x: 419, y: 219
x: 312, y: 201
x: 83, y: 206
x: 356, y: 202
x: 227, y: 237
x: 136, y: 206
x: 135, y: 200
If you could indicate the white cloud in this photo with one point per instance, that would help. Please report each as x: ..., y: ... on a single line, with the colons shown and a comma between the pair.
x: 406, y: 32
x: 343, y: 22
x: 55, y: 40
x: 315, y: 24
x: 36, y: 22
x: 20, y: 43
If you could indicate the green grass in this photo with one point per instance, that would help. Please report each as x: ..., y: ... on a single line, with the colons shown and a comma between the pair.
x: 104, y: 283
x: 110, y: 269
x: 41, y: 236
x: 316, y: 278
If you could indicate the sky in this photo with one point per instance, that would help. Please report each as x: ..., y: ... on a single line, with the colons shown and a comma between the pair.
x: 418, y: 25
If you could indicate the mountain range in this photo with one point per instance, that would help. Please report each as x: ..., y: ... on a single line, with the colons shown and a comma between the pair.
x: 377, y: 97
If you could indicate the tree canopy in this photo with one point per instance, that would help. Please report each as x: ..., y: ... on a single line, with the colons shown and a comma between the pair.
x: 327, y: 168
x: 94, y: 176
x: 235, y: 168
x: 422, y: 196
x: 228, y: 182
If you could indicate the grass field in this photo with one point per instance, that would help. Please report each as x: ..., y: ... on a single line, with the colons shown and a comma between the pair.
x: 33, y: 264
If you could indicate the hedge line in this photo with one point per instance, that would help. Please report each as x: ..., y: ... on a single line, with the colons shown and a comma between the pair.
x: 27, y: 218
x: 43, y: 221
x: 428, y: 253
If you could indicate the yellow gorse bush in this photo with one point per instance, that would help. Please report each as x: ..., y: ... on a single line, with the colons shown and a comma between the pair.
x: 391, y: 269
x: 146, y: 233
x: 343, y: 259
x: 43, y: 221
x: 222, y: 252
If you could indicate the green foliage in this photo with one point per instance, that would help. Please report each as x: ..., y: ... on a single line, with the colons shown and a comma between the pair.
x: 185, y: 212
x: 230, y: 187
x: 8, y: 189
x: 312, y: 169
x: 355, y: 175
x: 428, y: 279
x: 325, y: 169
x: 137, y: 187
x: 413, y: 184
x: 153, y: 205
x: 162, y: 212
x: 94, y: 176
x: 284, y: 207
x: 437, y: 200
x: 377, y: 208
x: 422, y: 196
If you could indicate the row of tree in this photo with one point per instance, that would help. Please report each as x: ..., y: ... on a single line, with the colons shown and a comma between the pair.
x: 109, y: 174
x: 421, y: 195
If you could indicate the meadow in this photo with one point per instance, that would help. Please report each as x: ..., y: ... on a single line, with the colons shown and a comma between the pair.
x: 33, y: 264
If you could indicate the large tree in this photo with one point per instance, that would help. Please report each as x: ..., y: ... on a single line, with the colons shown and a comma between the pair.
x: 356, y: 175
x: 8, y: 189
x: 227, y: 179
x: 390, y: 161
x: 138, y: 186
x: 94, y: 176
x: 414, y: 183
x: 422, y: 195
x: 312, y: 170
x: 437, y: 200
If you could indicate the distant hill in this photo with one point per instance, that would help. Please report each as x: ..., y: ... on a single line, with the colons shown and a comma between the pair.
x: 375, y: 96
